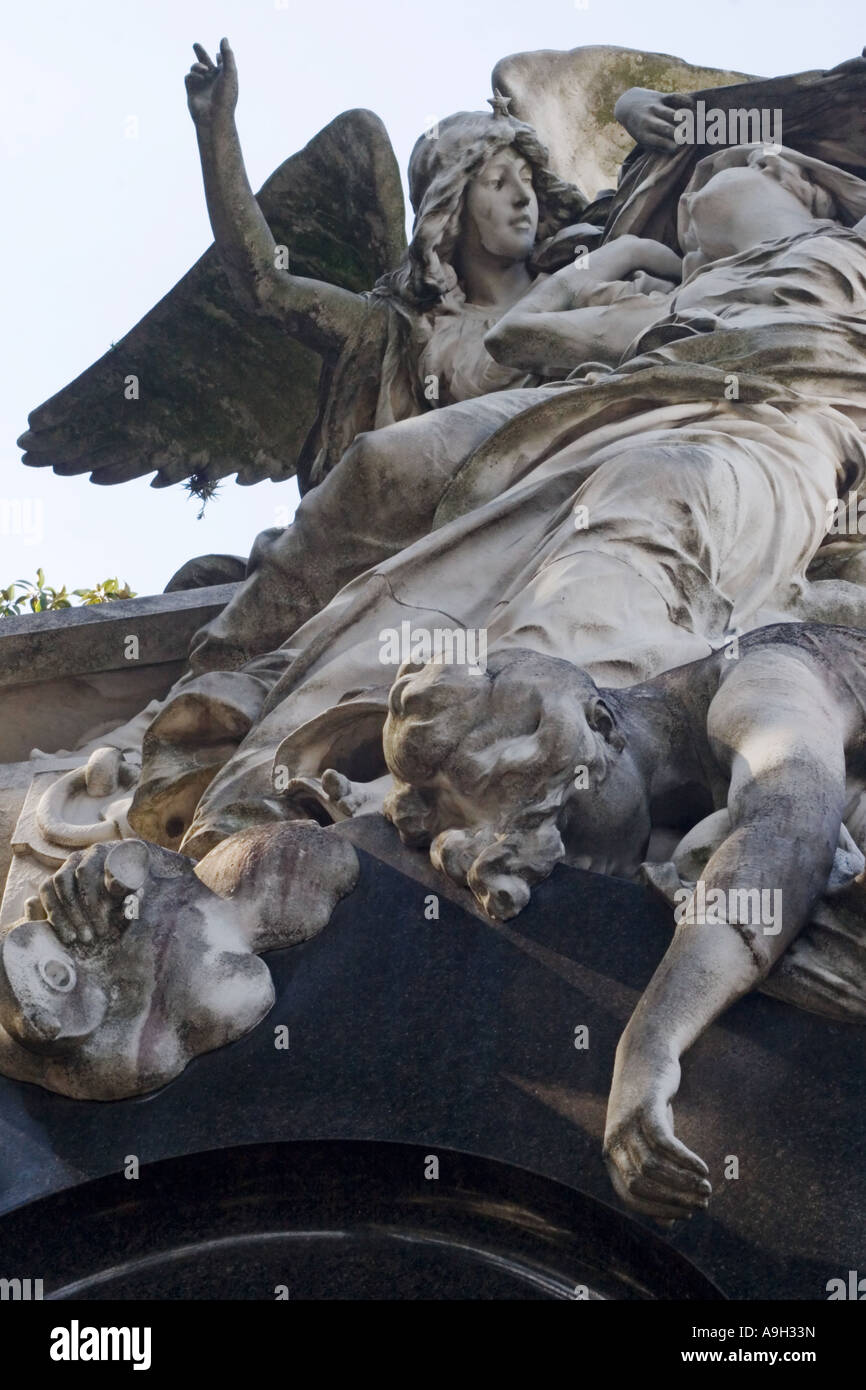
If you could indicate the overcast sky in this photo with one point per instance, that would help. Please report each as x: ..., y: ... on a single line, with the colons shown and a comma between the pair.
x: 98, y: 226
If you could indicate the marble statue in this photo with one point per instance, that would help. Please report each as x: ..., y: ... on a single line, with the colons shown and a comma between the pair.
x: 531, y: 764
x: 489, y: 215
x: 133, y: 961
x: 597, y: 445
x: 385, y: 354
x: 631, y: 518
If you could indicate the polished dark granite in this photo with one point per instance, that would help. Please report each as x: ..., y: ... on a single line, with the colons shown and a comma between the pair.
x: 459, y: 1035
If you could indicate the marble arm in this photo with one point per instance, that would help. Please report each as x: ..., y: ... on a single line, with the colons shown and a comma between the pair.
x: 650, y: 119
x: 320, y: 315
x: 648, y: 116
x: 557, y: 326
x: 550, y: 343
x: 787, y: 769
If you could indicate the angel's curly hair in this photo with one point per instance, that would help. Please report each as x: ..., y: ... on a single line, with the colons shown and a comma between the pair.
x: 440, y: 167
x: 505, y: 742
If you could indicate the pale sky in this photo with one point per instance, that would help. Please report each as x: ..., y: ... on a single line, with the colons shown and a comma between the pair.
x: 98, y: 226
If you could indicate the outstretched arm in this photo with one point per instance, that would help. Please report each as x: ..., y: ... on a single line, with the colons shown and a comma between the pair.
x: 651, y: 117
x: 557, y: 326
x: 321, y: 315
x: 774, y: 728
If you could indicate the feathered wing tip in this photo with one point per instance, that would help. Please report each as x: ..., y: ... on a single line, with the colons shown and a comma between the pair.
x: 199, y: 388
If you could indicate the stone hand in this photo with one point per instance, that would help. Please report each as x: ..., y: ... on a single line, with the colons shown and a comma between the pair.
x: 650, y: 264
x: 650, y: 117
x: 212, y: 89
x: 625, y: 255
x: 85, y: 899
x: 646, y: 284
x: 651, y: 1170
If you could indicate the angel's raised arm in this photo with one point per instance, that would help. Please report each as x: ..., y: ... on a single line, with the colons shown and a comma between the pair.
x: 320, y: 315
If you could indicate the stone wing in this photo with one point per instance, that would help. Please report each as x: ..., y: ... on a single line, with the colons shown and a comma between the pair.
x: 569, y: 99
x: 220, y: 391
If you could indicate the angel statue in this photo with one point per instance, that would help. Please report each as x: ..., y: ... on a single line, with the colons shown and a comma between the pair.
x: 273, y: 355
x: 463, y: 269
x: 307, y: 284
x: 631, y: 518
x: 642, y: 475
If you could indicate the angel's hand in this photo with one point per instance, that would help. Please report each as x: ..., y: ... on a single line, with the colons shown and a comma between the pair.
x: 650, y: 117
x: 212, y: 89
x: 649, y: 284
x: 622, y: 257
x: 651, y: 1170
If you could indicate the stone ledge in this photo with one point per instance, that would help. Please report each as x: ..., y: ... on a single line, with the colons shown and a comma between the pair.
x: 84, y: 641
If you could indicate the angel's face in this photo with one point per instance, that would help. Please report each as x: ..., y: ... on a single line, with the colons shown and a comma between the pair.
x: 501, y: 207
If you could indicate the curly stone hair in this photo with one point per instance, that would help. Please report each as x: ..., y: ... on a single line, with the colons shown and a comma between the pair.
x: 482, y: 763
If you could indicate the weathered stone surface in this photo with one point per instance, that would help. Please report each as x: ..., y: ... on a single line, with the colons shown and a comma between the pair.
x: 203, y: 571
x: 60, y: 714
x: 220, y: 390
x: 154, y: 963
x: 459, y: 1033
x: 87, y: 640
x: 15, y: 781
x: 66, y: 676
x: 534, y: 524
x: 569, y: 98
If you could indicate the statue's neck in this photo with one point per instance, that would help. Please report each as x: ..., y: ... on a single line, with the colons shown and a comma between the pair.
x: 493, y: 281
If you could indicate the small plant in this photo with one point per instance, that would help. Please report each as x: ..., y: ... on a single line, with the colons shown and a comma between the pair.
x: 43, y: 598
x: 104, y: 592
x: 200, y: 486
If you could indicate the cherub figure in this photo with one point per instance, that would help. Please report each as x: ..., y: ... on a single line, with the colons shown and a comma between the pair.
x: 505, y: 773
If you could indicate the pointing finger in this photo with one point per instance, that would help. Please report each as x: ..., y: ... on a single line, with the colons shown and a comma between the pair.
x: 228, y: 58
x: 202, y: 54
